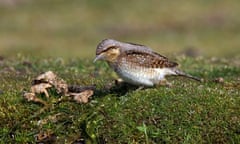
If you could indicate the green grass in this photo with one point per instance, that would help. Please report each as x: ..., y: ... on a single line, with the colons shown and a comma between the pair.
x: 49, y: 28
x: 189, y: 112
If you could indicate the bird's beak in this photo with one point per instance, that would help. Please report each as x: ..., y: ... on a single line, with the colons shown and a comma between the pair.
x: 99, y: 57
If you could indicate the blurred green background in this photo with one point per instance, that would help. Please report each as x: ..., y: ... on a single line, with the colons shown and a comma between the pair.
x: 73, y: 28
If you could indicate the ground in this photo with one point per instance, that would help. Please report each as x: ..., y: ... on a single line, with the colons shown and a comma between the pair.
x: 188, y: 112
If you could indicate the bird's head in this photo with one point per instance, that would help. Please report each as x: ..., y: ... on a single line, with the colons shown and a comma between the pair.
x: 107, y: 50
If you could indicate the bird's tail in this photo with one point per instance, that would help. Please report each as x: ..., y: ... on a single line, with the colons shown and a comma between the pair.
x: 181, y: 73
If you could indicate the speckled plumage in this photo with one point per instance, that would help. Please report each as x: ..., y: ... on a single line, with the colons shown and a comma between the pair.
x: 137, y: 64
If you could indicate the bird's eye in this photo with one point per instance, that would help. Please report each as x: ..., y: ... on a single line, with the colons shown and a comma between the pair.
x: 109, y: 48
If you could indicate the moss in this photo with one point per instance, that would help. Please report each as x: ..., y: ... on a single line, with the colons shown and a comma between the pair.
x: 188, y: 112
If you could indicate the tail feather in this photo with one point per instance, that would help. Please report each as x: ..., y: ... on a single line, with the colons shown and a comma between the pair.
x: 181, y: 73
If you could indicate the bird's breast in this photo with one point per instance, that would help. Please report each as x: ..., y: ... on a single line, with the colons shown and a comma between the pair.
x: 136, y: 74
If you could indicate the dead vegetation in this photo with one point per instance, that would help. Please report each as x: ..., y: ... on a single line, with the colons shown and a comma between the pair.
x: 47, y: 80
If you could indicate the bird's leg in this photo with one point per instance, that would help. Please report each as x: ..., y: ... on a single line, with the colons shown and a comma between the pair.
x: 119, y: 81
x: 140, y: 88
x: 164, y: 82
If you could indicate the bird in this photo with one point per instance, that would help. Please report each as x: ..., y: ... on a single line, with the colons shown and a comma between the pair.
x: 137, y: 64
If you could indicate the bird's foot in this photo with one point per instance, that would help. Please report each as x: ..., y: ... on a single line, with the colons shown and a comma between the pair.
x: 119, y: 82
x: 165, y: 83
x: 140, y: 88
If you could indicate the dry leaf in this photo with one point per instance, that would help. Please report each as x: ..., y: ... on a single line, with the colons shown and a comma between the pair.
x: 48, y: 79
x: 48, y: 76
x: 61, y: 86
x: 32, y: 97
x: 41, y: 88
x: 45, y: 137
x: 82, y: 97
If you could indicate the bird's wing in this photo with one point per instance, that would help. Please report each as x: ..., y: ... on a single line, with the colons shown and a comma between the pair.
x: 147, y: 58
x: 125, y: 47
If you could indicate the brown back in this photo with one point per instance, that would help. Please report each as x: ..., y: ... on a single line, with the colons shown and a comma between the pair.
x: 147, y: 59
